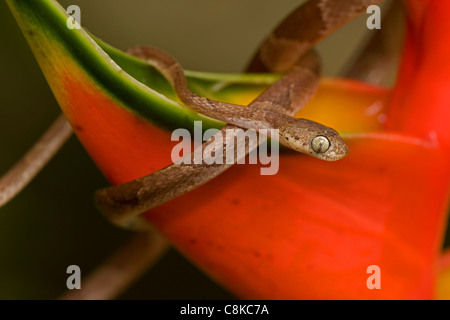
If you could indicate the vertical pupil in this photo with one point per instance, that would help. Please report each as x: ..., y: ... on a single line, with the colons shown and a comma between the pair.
x: 320, y: 144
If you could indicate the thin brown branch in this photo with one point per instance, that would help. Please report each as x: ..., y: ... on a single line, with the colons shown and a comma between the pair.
x: 381, y: 53
x: 122, y: 269
x: 34, y: 160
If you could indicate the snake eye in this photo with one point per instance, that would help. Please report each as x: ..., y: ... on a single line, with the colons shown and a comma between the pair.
x: 320, y: 144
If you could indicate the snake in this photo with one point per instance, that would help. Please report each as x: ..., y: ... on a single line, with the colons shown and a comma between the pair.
x: 301, y: 135
x: 287, y: 50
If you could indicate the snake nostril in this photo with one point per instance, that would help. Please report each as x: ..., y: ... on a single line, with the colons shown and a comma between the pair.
x: 320, y: 144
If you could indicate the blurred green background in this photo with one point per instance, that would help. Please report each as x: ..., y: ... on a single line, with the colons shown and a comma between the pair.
x: 53, y: 223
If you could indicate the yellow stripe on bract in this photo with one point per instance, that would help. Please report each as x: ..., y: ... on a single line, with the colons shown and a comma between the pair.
x: 443, y: 285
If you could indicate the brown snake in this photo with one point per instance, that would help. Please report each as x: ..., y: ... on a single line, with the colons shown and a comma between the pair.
x: 301, y: 135
x: 285, y: 50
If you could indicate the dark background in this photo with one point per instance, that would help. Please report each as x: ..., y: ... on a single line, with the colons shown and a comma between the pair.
x: 53, y: 223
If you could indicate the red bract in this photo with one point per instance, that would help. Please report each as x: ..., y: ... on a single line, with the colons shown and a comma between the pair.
x: 420, y: 100
x: 312, y: 230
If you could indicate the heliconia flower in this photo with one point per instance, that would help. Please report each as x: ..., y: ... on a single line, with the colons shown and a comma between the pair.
x: 314, y: 230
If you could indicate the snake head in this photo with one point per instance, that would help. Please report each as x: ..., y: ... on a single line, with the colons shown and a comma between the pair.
x: 314, y: 139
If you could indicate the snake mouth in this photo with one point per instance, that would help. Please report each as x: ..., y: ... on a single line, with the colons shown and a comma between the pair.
x: 337, y: 151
